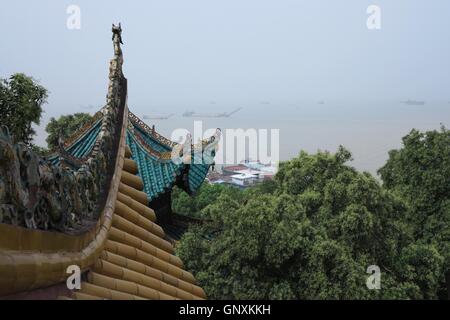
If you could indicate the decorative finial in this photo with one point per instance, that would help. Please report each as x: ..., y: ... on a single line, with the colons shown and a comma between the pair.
x: 117, y: 30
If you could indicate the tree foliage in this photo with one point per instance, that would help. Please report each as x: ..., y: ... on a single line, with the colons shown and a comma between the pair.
x: 420, y: 173
x: 312, y: 234
x: 64, y: 127
x: 21, y: 100
x: 184, y: 204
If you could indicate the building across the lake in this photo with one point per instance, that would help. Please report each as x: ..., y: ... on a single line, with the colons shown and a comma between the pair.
x: 244, y: 179
x: 243, y: 175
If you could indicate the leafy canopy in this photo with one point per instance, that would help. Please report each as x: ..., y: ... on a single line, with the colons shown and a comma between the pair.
x: 21, y: 101
x: 420, y: 173
x: 64, y: 127
x: 311, y: 234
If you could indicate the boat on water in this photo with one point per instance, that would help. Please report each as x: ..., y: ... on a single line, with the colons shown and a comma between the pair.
x: 414, y: 103
x: 157, y: 117
x: 192, y: 114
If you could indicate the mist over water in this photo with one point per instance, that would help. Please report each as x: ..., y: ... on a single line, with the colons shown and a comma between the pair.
x: 368, y: 129
x: 183, y: 55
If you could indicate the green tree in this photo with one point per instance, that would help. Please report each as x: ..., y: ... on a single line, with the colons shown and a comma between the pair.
x: 420, y: 173
x: 21, y: 100
x: 184, y: 204
x: 312, y: 236
x: 64, y: 127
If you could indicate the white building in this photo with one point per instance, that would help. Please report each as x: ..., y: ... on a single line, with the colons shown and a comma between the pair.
x: 244, y: 179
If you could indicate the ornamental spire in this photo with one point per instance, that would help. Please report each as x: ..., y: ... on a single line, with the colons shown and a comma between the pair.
x: 117, y: 38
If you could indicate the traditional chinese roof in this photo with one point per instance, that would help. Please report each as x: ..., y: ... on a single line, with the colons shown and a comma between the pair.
x: 151, y: 151
x: 157, y: 174
x: 87, y: 205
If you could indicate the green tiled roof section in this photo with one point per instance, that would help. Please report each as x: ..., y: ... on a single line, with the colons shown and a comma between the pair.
x: 155, y: 144
x: 158, y: 176
x: 54, y: 159
x: 83, y: 146
x: 197, y: 172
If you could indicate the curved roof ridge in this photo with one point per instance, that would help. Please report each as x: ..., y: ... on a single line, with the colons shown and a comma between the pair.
x: 160, y: 138
x: 138, y: 139
x: 81, y: 132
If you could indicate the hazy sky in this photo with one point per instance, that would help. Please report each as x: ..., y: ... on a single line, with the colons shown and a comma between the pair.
x: 185, y: 53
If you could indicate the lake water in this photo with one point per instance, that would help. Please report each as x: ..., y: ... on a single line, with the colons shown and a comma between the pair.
x: 368, y: 129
